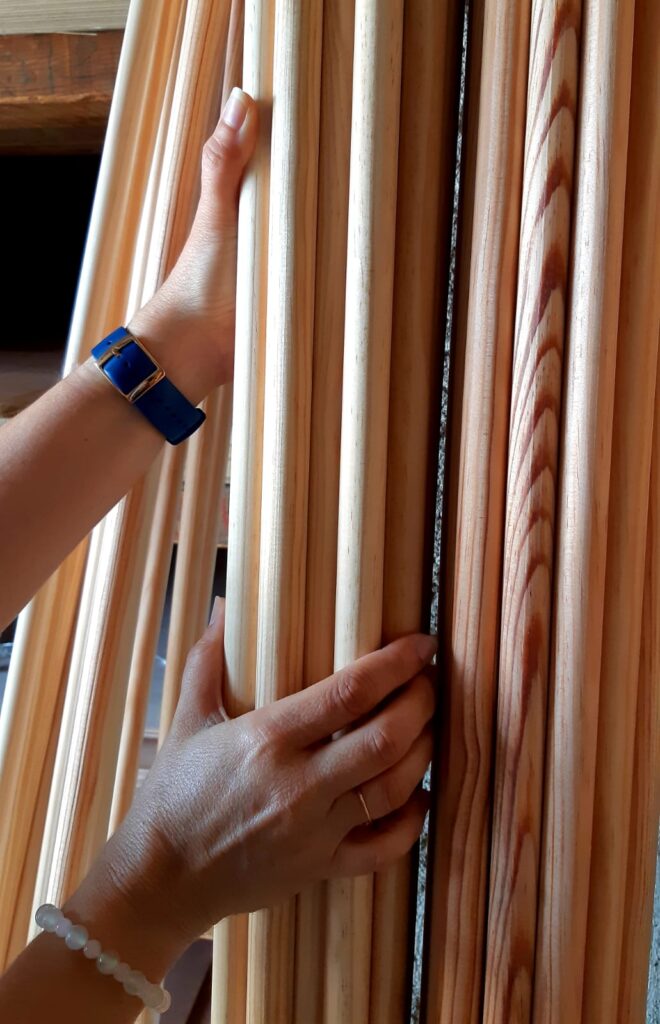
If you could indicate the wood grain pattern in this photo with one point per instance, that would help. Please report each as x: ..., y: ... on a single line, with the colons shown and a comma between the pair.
x: 632, y: 435
x: 424, y: 203
x: 55, y: 91
x: 325, y: 434
x: 534, y: 426
x: 463, y: 770
x: 230, y: 952
x: 203, y: 475
x: 645, y: 794
x: 367, y: 339
x: 286, y: 433
x: 583, y: 511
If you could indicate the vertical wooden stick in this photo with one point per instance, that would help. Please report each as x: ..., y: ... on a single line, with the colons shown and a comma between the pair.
x: 424, y: 202
x: 645, y: 799
x: 361, y: 533
x: 582, y: 511
x: 632, y: 434
x: 530, y: 509
x: 463, y: 771
x: 320, y: 586
x: 286, y: 431
x: 230, y: 953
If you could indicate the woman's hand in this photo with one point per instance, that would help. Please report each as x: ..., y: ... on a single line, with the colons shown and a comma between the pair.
x: 240, y: 814
x: 189, y: 323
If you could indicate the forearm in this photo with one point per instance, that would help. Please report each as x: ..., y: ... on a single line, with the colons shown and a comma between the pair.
x: 68, y: 458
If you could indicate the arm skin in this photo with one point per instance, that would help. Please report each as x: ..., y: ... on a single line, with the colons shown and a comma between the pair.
x: 68, y: 458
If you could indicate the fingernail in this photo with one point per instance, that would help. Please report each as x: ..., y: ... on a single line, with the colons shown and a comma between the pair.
x: 215, y: 611
x: 427, y: 646
x: 236, y: 109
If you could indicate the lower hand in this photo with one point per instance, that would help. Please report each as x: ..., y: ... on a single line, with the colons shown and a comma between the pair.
x: 238, y: 814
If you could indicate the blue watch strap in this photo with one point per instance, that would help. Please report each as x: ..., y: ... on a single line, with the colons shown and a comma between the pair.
x: 138, y: 377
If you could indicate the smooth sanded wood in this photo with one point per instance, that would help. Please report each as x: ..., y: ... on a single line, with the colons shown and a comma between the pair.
x: 427, y: 152
x: 363, y: 468
x: 534, y: 427
x: 230, y: 953
x: 133, y: 118
x: 323, y: 501
x: 286, y: 433
x: 632, y: 434
x: 582, y: 511
x: 645, y: 794
x: 84, y: 773
x: 203, y: 475
x: 463, y: 770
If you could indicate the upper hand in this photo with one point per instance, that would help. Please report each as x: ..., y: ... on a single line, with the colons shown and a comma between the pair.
x: 238, y: 814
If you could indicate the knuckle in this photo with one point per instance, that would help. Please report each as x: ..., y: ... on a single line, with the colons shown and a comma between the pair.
x: 350, y: 692
x: 218, y: 149
x: 385, y: 745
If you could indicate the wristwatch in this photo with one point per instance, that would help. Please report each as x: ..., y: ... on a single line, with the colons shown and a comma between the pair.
x: 134, y: 372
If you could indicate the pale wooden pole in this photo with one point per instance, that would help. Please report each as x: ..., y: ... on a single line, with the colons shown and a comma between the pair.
x: 323, y: 502
x: 286, y: 432
x: 534, y: 426
x: 463, y: 770
x: 645, y: 795
x: 427, y: 153
x: 583, y: 511
x: 363, y: 468
x: 39, y: 674
x: 206, y: 457
x: 82, y: 790
x: 632, y: 434
x: 230, y: 937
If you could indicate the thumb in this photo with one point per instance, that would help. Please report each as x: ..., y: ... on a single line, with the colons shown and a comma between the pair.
x: 225, y: 156
x: 201, y: 686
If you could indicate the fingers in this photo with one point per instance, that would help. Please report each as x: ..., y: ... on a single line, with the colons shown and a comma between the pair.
x: 387, y: 792
x: 350, y: 694
x: 200, y: 702
x: 381, y: 742
x: 224, y: 158
x: 366, y: 850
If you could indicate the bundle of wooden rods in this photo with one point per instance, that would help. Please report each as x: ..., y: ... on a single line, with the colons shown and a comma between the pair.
x: 480, y: 178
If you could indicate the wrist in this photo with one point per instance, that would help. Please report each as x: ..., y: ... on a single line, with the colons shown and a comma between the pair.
x: 193, y: 364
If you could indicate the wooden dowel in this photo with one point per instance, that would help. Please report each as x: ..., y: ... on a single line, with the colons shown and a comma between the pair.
x: 534, y: 425
x: 230, y: 953
x: 286, y: 433
x: 632, y: 434
x: 80, y: 802
x: 323, y: 505
x: 361, y: 529
x: 100, y: 303
x: 583, y: 511
x: 463, y: 770
x: 427, y: 151
x: 645, y: 795
x: 150, y: 616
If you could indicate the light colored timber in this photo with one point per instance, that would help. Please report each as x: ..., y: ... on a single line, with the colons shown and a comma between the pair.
x: 581, y: 546
x: 363, y: 467
x: 463, y: 770
x: 140, y: 81
x: 286, y: 433
x: 323, y: 502
x: 645, y: 794
x: 206, y: 459
x: 534, y: 426
x: 25, y: 731
x: 62, y: 15
x: 632, y: 436
x: 427, y: 154
x: 230, y: 952
x: 80, y: 802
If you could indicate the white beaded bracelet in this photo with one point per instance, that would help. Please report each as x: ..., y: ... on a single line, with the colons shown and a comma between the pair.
x: 154, y: 997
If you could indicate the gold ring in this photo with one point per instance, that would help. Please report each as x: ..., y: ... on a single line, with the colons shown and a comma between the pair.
x: 370, y: 820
